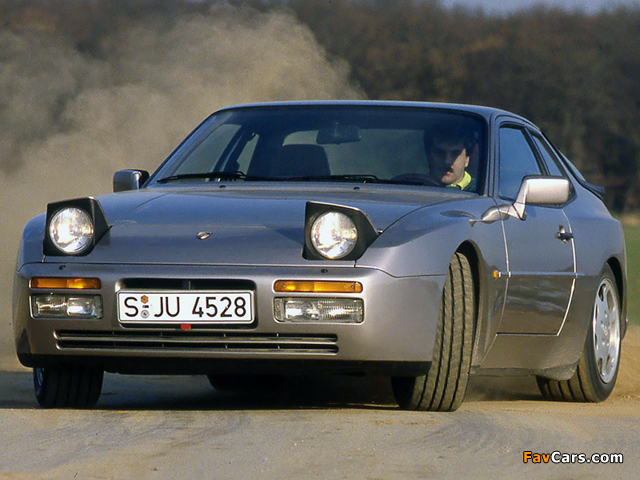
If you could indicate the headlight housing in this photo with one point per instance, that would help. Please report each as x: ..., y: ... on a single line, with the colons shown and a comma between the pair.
x: 336, y: 232
x: 334, y: 235
x: 71, y: 230
x: 66, y: 306
x: 319, y: 310
x: 74, y: 227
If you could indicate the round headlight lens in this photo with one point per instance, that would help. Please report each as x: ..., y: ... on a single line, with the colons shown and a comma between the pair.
x: 71, y: 230
x: 334, y: 235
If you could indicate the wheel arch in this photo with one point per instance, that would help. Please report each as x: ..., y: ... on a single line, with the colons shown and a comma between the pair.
x: 618, y: 273
x: 470, y: 250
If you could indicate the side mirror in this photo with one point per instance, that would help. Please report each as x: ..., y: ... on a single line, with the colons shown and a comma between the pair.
x: 124, y: 180
x: 533, y: 191
x: 541, y: 191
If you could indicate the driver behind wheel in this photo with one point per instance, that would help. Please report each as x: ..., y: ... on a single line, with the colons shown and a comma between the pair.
x: 448, y: 146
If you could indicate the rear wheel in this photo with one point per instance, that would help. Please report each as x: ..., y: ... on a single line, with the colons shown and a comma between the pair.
x: 444, y: 386
x: 67, y: 386
x: 597, y: 369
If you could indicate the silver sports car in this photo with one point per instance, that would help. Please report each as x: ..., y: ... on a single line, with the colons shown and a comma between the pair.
x: 426, y: 242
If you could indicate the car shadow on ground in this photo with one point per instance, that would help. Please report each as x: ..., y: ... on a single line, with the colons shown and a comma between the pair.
x: 368, y: 392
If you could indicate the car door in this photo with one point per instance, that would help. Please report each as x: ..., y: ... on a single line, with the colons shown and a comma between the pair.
x: 541, y: 260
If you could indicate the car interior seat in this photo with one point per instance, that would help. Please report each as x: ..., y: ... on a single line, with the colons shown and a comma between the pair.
x: 301, y: 161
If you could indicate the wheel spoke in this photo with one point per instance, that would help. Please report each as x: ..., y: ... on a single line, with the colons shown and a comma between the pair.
x: 601, y: 309
x: 602, y: 367
x: 599, y: 331
x: 599, y: 348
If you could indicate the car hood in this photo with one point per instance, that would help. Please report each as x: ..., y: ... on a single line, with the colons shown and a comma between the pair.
x: 247, y: 225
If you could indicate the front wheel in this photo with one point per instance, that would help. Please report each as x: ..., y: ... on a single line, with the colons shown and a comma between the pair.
x: 67, y: 386
x: 444, y: 386
x: 597, y: 369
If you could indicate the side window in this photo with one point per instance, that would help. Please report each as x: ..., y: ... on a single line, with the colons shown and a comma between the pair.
x: 517, y: 160
x: 548, y: 155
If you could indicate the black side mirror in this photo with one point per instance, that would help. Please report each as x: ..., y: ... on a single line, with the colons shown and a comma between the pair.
x: 124, y: 180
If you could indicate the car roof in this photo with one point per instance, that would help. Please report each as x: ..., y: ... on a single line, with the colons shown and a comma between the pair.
x: 487, y: 112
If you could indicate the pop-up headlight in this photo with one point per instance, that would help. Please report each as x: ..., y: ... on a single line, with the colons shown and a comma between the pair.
x: 336, y: 232
x: 334, y: 235
x: 74, y: 227
x: 71, y: 230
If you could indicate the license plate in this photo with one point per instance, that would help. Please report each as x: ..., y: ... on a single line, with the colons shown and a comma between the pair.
x: 185, y: 307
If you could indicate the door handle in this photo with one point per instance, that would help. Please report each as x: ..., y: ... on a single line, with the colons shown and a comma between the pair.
x: 563, y: 235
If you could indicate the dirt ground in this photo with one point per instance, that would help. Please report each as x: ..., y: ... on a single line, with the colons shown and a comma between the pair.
x: 324, y: 427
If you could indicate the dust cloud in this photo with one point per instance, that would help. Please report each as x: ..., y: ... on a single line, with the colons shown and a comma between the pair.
x: 69, y: 119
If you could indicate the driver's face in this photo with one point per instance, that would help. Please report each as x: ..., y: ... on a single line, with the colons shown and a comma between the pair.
x: 447, y: 161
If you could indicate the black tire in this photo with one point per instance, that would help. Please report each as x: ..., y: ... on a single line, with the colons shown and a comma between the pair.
x: 586, y: 384
x: 229, y: 383
x: 444, y: 386
x: 67, y: 386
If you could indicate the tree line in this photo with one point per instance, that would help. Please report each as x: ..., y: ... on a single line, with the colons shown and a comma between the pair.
x: 576, y: 75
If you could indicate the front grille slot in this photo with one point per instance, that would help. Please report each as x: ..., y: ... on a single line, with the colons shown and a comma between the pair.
x: 186, y: 284
x: 198, y: 341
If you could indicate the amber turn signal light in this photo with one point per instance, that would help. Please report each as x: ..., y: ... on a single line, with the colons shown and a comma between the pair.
x: 60, y: 283
x: 317, y: 287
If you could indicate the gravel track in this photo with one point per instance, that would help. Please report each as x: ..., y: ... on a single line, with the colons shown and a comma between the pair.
x: 321, y: 427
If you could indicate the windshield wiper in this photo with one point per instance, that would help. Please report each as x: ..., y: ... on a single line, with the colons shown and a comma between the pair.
x: 212, y: 176
x: 360, y: 178
x: 366, y: 178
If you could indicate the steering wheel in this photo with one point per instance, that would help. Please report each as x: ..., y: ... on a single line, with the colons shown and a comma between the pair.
x: 419, y: 178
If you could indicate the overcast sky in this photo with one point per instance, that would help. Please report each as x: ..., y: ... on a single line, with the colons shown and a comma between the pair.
x: 504, y: 6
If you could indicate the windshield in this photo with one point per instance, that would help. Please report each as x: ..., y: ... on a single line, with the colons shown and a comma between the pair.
x: 411, y: 146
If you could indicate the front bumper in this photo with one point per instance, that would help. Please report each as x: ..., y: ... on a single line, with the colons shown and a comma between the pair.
x: 397, y: 334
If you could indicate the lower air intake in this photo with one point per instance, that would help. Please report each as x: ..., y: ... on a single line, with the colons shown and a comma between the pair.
x: 198, y: 342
